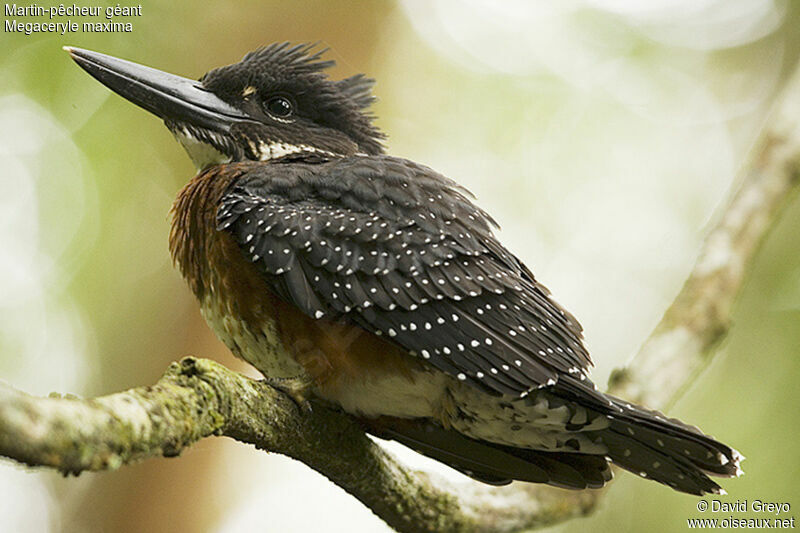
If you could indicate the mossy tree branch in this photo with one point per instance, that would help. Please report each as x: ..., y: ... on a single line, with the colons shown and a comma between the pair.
x: 197, y: 398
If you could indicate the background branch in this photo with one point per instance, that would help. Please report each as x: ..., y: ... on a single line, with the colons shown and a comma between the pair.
x: 700, y: 316
x: 197, y: 398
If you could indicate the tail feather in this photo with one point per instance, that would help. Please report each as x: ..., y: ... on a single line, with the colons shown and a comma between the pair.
x: 593, y: 470
x: 638, y: 439
x: 493, y: 463
x: 667, y: 450
x: 688, y: 442
x: 663, y: 466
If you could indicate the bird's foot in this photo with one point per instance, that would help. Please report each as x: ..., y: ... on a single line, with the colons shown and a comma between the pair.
x: 295, y: 388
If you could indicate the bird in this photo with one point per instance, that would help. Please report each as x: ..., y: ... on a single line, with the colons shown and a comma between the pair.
x: 377, y: 286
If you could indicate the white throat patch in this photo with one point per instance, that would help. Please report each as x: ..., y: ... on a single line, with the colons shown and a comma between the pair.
x: 204, y: 154
x: 201, y: 153
x: 274, y: 150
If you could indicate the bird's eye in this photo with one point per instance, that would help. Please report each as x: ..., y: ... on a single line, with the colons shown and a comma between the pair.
x: 279, y: 106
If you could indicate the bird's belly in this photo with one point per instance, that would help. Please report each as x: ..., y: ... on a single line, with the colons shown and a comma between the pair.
x: 259, y: 344
x: 417, y: 395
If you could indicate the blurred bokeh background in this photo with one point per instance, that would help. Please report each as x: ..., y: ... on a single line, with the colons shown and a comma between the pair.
x: 602, y: 134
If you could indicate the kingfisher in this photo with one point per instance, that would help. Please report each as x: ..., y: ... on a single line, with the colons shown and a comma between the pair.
x: 376, y: 285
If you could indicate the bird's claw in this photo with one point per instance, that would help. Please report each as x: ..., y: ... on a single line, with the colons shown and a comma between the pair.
x: 295, y: 389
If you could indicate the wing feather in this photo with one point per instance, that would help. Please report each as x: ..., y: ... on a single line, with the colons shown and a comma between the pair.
x: 401, y: 251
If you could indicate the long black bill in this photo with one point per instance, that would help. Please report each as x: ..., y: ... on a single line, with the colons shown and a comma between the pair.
x: 170, y: 97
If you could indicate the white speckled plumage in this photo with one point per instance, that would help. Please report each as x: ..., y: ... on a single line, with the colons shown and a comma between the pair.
x: 474, y: 362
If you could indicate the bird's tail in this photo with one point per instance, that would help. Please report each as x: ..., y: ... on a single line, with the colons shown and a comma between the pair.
x: 666, y: 450
x: 642, y: 441
x: 492, y: 463
x: 656, y: 447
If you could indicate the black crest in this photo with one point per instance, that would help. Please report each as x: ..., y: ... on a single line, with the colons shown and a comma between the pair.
x: 298, y: 72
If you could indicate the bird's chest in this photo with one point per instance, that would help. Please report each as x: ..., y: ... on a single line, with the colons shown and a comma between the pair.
x: 259, y: 343
x: 344, y: 364
x: 234, y: 298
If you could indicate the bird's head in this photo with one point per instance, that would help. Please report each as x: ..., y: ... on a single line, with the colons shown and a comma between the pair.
x: 276, y: 102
